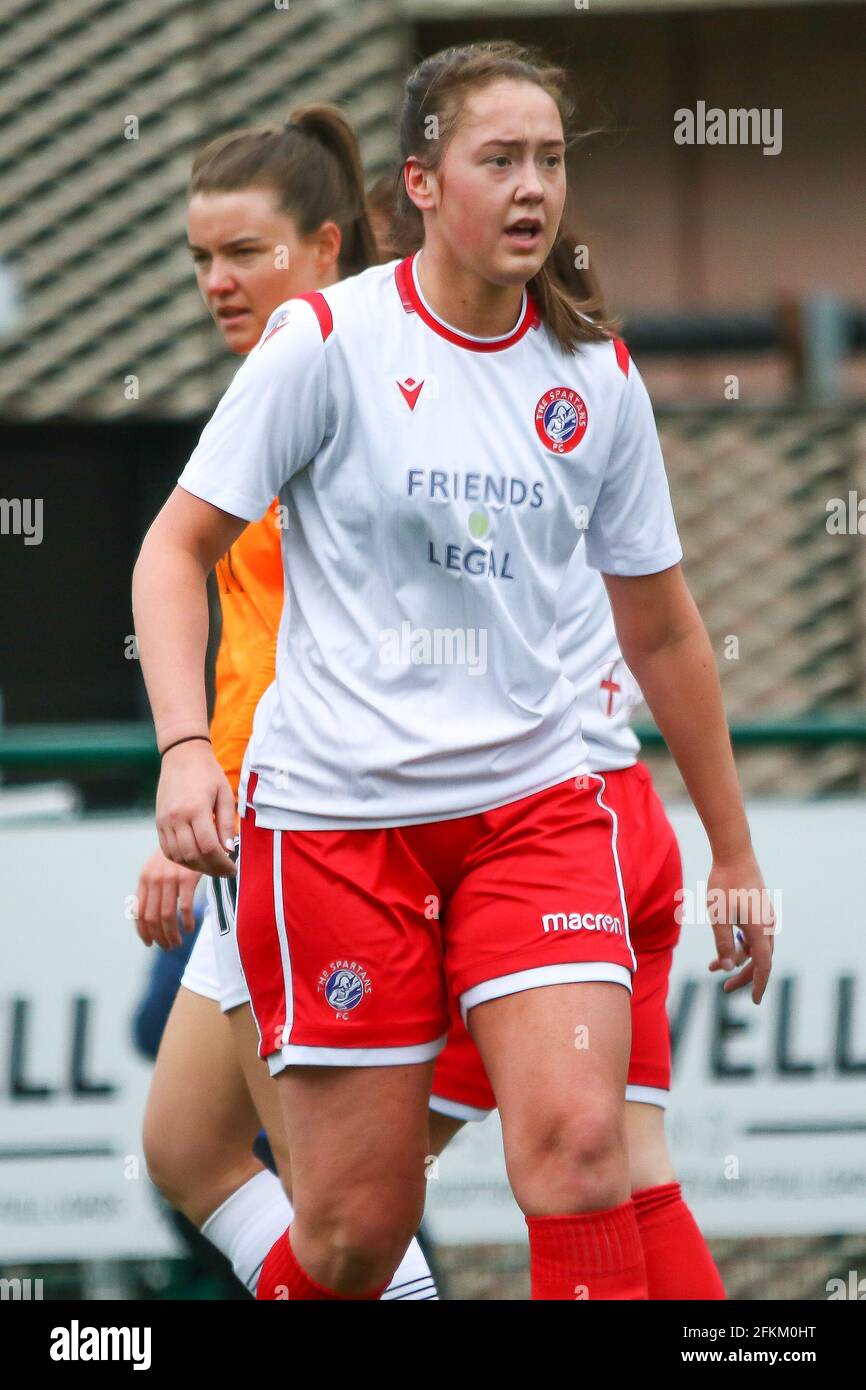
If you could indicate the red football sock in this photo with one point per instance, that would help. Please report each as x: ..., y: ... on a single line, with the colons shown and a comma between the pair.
x: 678, y: 1261
x: 282, y: 1277
x: 592, y: 1254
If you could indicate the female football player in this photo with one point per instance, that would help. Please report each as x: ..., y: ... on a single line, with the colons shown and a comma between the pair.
x: 408, y: 811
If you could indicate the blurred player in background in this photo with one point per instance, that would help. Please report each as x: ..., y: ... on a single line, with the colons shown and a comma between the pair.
x: 357, y: 1139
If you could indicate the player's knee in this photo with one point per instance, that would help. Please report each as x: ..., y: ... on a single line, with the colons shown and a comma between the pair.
x: 162, y: 1162
x: 191, y: 1176
x: 365, y: 1254
x: 570, y: 1159
x: 365, y: 1234
x: 172, y: 1165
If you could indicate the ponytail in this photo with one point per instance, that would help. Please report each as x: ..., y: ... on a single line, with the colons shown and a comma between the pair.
x: 329, y: 127
x: 312, y: 165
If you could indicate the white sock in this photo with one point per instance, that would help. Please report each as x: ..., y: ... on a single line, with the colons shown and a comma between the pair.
x: 413, y: 1280
x: 248, y: 1224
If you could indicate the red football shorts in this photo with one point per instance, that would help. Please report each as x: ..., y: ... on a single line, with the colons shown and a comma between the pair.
x: 353, y: 942
x: 652, y: 875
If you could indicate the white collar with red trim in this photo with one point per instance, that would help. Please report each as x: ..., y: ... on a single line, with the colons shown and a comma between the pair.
x: 413, y: 301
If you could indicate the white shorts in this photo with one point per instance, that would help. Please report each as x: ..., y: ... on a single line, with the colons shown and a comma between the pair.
x: 214, y: 966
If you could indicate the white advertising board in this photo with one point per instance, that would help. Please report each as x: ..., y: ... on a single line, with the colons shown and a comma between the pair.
x: 767, y: 1121
x: 768, y: 1114
x: 72, y: 1088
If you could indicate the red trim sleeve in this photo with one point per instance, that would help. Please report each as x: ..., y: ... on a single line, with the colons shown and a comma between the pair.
x: 320, y: 307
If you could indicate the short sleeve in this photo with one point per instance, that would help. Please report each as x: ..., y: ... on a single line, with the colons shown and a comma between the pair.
x: 270, y: 422
x: 632, y: 530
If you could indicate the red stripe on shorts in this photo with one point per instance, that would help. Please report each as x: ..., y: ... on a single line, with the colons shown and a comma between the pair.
x: 258, y: 935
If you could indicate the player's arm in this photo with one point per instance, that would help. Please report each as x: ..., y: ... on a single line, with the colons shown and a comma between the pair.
x: 195, y: 807
x: 268, y: 425
x: 632, y: 539
x: 666, y: 646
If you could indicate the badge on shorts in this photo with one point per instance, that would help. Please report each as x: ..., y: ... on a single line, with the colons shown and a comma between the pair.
x: 561, y: 419
x: 344, y: 984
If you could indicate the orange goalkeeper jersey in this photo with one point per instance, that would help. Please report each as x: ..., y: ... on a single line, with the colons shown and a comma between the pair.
x: 250, y: 580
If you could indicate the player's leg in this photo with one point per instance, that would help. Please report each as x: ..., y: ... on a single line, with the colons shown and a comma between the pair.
x: 563, y: 1117
x: 248, y: 1224
x: 262, y: 1088
x: 253, y: 1217
x: 460, y: 1090
x: 678, y: 1260
x: 652, y: 874
x: 200, y: 1122
x: 442, y: 1129
x: 359, y: 1139
x: 649, y: 1160
x: 563, y: 1125
x: 233, y: 994
x: 350, y: 1020
x: 538, y: 953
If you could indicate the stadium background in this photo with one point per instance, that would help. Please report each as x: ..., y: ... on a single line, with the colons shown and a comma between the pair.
x: 725, y: 264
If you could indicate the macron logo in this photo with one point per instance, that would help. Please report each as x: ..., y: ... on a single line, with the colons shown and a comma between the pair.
x: 587, y: 921
x: 411, y: 390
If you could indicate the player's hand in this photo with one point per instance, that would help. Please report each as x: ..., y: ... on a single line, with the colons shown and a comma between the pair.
x: 195, y: 810
x: 737, y: 900
x: 164, y: 890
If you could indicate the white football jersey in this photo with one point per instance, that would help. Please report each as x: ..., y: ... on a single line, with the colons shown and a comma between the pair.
x: 606, y: 691
x: 433, y: 489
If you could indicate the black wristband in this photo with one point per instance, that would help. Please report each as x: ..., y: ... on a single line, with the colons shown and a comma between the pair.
x: 190, y: 738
